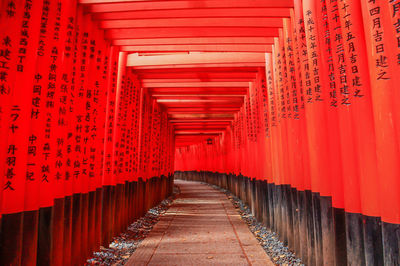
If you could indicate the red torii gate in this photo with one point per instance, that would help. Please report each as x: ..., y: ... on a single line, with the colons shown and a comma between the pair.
x: 296, y: 99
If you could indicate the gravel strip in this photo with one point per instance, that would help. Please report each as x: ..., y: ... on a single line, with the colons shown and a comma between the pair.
x: 279, y: 254
x: 127, y: 242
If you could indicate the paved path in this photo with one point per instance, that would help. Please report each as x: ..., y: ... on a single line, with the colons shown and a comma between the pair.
x: 200, y: 228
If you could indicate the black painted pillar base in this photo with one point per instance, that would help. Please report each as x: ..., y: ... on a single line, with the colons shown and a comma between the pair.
x: 328, y: 232
x: 118, y: 209
x: 391, y: 243
x: 317, y: 229
x: 373, y: 245
x: 141, y: 196
x: 271, y: 205
x: 30, y: 237
x: 310, y: 229
x: 84, y: 226
x: 339, y: 225
x: 288, y: 215
x: 76, y: 247
x: 45, y: 235
x: 265, y: 199
x: 295, y: 221
x: 106, y: 215
x: 67, y: 239
x: 354, y: 239
x: 11, y: 239
x: 113, y: 200
x: 57, y: 242
x: 302, y: 213
x: 91, y: 222
x: 278, y: 212
x: 135, y: 205
x: 98, y: 218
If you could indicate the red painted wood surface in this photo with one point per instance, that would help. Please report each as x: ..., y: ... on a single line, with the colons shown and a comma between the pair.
x: 97, y: 95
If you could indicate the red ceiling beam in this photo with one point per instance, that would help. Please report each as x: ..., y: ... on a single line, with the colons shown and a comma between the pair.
x: 222, y: 128
x: 210, y: 108
x: 194, y: 41
x: 135, y: 60
x: 182, y: 120
x: 192, y: 131
x: 202, y: 123
x: 205, y: 126
x: 198, y: 97
x: 126, y: 5
x: 202, y: 107
x: 201, y: 70
x: 189, y: 130
x: 193, y: 116
x: 202, y: 112
x: 195, y: 91
x: 193, y: 101
x: 182, y: 140
x: 198, y: 84
x: 195, y: 75
x: 196, y: 13
x: 186, y: 136
x: 199, y: 65
x: 256, y: 48
x: 205, y: 108
x: 179, y: 32
x: 191, y: 22
x: 178, y: 81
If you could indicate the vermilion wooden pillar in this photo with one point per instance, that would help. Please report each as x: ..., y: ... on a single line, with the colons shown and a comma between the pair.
x: 382, y: 52
x: 15, y: 130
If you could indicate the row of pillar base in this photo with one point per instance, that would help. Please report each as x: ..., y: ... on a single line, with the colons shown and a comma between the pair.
x: 308, y: 224
x: 69, y: 231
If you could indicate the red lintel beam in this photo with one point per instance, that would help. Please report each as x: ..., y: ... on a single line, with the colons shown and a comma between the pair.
x: 186, y: 136
x: 205, y: 65
x: 196, y: 90
x: 179, y: 32
x: 205, y: 126
x: 230, y: 109
x: 205, y: 108
x: 198, y: 127
x: 182, y: 140
x: 202, y: 70
x: 135, y: 60
x: 198, y: 97
x: 183, y: 120
x: 203, y: 123
x: 194, y: 41
x: 194, y: 75
x: 193, y: 131
x: 191, y: 22
x: 199, y: 84
x: 201, y: 116
x: 195, y: 101
x: 193, y: 80
x: 202, y: 112
x: 196, y: 136
x: 196, y: 13
x: 256, y: 48
x: 126, y: 5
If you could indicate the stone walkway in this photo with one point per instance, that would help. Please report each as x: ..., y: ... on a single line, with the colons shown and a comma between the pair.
x: 200, y: 228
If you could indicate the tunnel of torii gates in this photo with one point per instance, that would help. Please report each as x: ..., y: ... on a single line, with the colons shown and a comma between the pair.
x: 292, y: 105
